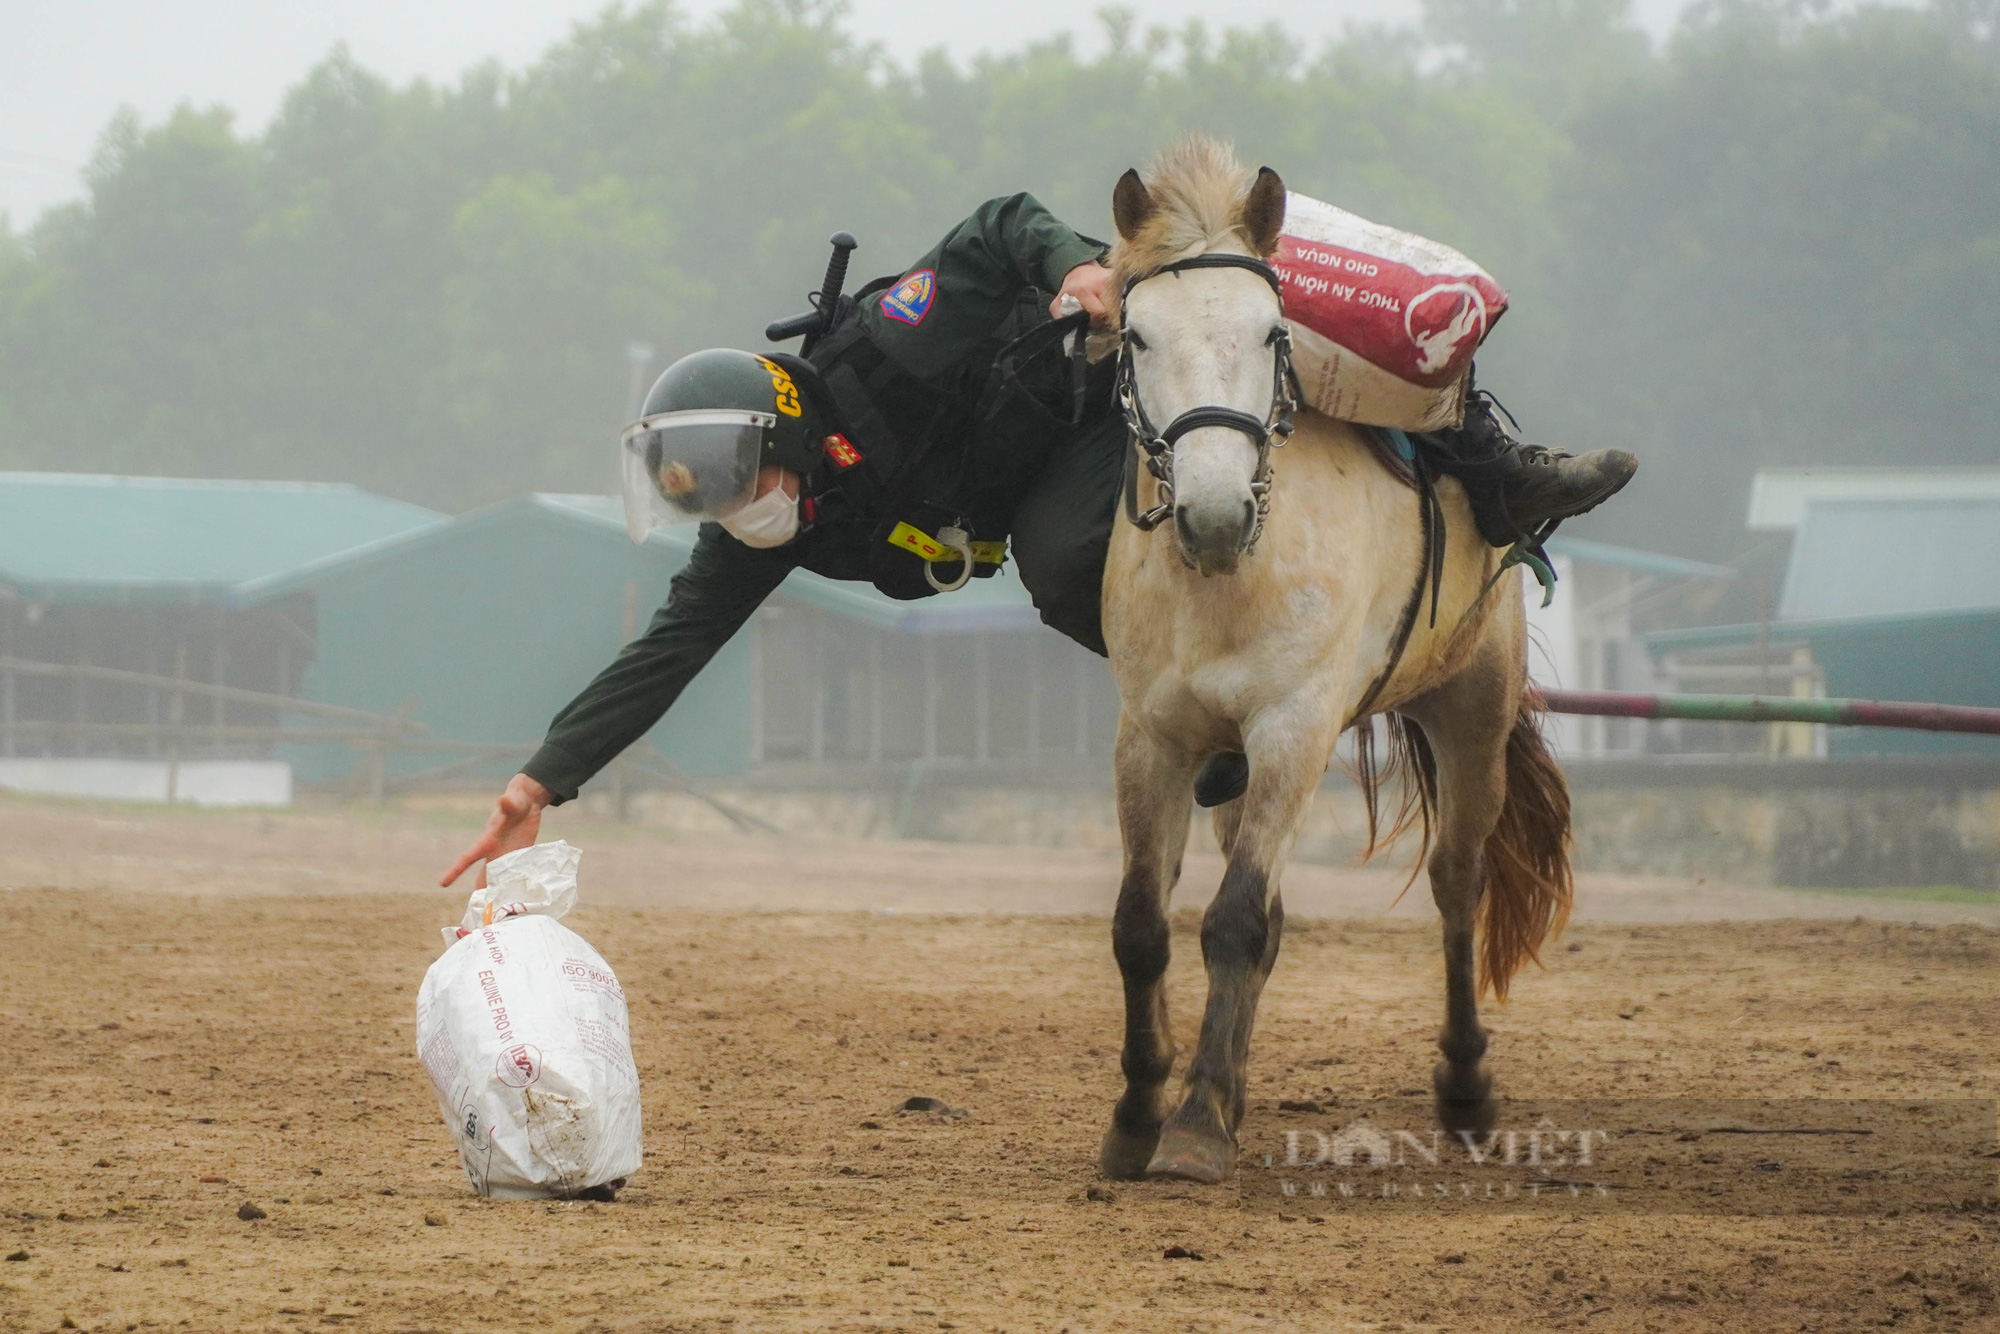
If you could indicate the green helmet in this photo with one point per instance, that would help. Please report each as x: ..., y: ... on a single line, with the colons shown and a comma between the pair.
x: 712, y: 420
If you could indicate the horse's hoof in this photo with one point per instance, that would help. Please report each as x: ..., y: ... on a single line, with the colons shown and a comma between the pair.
x: 1185, y: 1156
x: 1125, y: 1153
x: 1464, y: 1098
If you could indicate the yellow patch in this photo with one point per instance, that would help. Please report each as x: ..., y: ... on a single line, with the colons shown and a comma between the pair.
x: 915, y: 539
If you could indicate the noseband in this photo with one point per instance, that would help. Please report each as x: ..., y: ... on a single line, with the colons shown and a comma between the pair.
x: 1272, y: 432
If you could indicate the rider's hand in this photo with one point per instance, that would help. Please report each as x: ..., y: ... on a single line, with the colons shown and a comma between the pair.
x: 513, y: 825
x: 1088, y: 283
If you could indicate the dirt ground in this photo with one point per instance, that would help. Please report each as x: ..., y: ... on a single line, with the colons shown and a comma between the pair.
x: 205, y: 1011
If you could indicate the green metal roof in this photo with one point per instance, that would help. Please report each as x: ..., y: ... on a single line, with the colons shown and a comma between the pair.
x: 1714, y: 636
x: 78, y: 537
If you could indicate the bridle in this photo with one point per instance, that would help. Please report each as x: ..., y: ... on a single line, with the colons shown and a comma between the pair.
x: 1270, y: 433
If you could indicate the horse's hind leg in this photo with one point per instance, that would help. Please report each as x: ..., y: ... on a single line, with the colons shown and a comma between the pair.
x: 1466, y: 724
x: 1154, y: 797
x: 1239, y: 943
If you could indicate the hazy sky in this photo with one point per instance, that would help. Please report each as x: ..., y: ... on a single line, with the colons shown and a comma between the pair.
x: 67, y: 65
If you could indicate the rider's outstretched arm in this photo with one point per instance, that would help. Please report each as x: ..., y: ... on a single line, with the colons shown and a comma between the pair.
x: 724, y: 582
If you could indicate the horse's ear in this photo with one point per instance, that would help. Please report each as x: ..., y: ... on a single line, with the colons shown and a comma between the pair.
x: 1264, y: 211
x: 1131, y: 204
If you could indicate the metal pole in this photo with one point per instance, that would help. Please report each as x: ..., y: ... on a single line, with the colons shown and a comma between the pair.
x: 1898, y: 714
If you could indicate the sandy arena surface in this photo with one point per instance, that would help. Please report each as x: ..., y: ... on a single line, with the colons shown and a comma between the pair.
x: 208, y: 1010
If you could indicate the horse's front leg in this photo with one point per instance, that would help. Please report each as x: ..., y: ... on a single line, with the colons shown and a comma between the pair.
x: 1154, y: 798
x: 1239, y: 941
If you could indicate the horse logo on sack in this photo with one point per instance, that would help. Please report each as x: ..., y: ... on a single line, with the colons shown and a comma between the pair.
x: 1443, y: 320
x: 910, y: 300
x: 518, y: 1066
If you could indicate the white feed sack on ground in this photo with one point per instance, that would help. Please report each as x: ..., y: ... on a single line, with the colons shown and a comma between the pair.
x: 523, y: 1028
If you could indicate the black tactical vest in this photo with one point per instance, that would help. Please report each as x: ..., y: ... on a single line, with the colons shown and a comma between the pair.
x: 961, y: 450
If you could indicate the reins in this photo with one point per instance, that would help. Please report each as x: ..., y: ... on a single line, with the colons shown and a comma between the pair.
x: 1158, y: 446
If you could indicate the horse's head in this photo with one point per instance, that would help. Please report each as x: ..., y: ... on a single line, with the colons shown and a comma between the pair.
x: 1205, y: 370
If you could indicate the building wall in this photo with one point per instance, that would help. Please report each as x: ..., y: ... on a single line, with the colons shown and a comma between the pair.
x: 831, y: 689
x: 261, y: 648
x: 1954, y: 660
x: 493, y: 628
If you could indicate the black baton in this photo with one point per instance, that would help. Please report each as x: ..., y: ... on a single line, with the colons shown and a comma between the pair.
x: 818, y: 321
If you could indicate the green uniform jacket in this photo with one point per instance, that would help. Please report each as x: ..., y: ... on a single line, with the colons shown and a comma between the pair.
x: 973, y: 277
x: 940, y: 312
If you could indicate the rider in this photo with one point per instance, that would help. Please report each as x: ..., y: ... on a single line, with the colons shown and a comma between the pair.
x: 923, y: 426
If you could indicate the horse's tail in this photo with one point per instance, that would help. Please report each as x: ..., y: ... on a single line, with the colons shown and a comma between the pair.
x: 1528, y: 890
x: 1409, y: 764
x: 1528, y: 887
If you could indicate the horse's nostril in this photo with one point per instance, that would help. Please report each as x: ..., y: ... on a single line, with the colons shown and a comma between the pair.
x: 1185, y: 528
x: 1249, y: 520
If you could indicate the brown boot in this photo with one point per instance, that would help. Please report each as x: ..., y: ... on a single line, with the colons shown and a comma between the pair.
x: 1520, y: 491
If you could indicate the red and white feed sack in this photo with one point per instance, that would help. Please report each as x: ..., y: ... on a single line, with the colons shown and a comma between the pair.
x: 1384, y: 323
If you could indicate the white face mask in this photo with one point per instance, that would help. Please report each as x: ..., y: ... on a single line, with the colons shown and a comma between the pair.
x: 771, y: 520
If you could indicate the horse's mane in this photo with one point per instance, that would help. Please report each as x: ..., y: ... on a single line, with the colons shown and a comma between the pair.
x: 1198, y: 190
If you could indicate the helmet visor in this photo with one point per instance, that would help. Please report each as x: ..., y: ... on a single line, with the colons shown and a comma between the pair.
x: 683, y: 467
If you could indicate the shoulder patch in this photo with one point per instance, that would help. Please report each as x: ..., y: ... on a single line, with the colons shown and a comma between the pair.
x: 910, y: 300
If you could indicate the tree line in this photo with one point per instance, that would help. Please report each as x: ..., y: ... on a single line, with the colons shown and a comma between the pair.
x: 1774, y: 239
